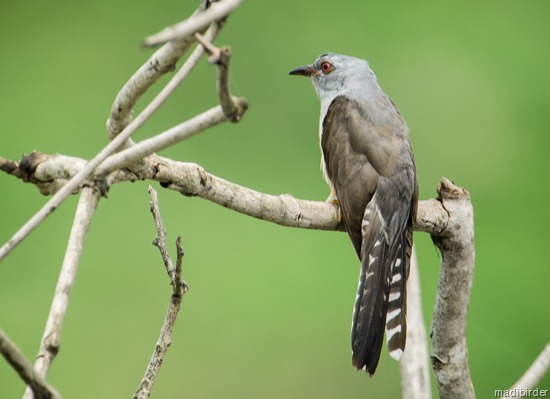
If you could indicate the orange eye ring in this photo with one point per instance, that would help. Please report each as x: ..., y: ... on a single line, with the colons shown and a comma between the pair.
x: 327, y: 67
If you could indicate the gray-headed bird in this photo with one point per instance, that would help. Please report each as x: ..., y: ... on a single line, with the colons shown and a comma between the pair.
x: 368, y: 163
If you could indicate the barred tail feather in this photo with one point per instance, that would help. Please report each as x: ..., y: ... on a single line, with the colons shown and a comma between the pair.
x: 370, y: 309
x: 381, y: 301
x: 396, y: 318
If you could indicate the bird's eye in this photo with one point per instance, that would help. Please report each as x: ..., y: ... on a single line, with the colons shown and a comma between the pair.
x: 326, y: 67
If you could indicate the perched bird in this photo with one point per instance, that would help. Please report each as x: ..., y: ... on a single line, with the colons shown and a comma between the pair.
x: 368, y: 163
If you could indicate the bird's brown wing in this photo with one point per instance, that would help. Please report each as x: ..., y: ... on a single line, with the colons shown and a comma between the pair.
x: 371, y: 167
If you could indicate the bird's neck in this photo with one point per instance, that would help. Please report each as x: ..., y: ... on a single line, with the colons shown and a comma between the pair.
x: 373, y: 100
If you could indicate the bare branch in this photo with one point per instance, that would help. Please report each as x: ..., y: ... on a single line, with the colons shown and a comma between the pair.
x: 193, y: 24
x: 191, y: 179
x: 13, y: 355
x: 456, y: 243
x: 50, y: 340
x: 10, y: 167
x: 212, y: 50
x: 432, y: 217
x: 221, y: 57
x: 49, y: 173
x: 160, y: 239
x: 535, y: 372
x: 414, y: 364
x: 179, y: 288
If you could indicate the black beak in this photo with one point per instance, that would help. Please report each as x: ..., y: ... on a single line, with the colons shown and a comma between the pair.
x: 306, y: 70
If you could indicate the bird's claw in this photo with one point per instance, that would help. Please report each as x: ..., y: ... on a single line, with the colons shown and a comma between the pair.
x: 334, y: 201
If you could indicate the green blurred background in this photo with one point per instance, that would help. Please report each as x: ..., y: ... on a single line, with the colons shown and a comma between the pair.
x: 268, y: 311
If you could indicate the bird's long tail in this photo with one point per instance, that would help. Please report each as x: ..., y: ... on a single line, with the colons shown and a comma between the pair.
x: 381, y: 297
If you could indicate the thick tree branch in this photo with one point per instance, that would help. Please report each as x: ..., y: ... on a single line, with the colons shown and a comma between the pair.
x: 456, y: 243
x: 414, y: 364
x: 190, y: 179
x: 13, y: 355
x: 179, y: 288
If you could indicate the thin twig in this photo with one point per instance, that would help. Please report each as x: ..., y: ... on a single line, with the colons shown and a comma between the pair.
x: 212, y: 50
x: 13, y: 355
x: 160, y: 239
x: 221, y: 57
x: 49, y: 345
x: 414, y: 365
x: 194, y: 23
x: 449, y: 351
x: 535, y: 372
x: 179, y: 288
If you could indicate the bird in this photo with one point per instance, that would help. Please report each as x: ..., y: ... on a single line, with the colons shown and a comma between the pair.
x: 368, y: 163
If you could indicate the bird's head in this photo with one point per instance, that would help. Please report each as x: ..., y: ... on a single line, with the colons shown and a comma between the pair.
x: 337, y: 74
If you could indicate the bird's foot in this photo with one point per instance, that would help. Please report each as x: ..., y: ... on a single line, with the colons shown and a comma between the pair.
x: 334, y: 201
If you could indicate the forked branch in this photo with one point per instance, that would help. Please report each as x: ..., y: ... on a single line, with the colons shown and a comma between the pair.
x: 179, y: 288
x: 232, y: 107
